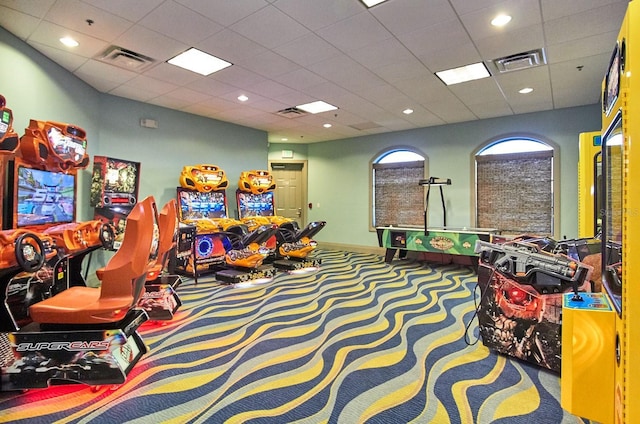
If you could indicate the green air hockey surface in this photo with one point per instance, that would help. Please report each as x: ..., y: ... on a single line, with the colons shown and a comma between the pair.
x: 446, y: 240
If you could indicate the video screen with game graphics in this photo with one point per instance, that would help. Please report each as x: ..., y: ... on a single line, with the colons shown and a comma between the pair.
x: 198, y: 205
x: 42, y: 197
x: 251, y: 204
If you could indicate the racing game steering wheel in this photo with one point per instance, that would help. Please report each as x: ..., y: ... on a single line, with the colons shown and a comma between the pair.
x: 30, y: 252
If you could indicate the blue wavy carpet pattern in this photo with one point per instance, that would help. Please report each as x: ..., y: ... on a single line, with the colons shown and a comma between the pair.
x: 357, y: 341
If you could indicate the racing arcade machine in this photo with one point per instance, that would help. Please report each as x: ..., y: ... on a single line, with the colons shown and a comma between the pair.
x: 222, y: 245
x: 256, y: 206
x: 59, y: 330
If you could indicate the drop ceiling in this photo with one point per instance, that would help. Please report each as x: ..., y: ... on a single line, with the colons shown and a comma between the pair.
x: 371, y: 63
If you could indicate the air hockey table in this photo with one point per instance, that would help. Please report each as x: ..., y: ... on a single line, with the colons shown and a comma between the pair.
x: 438, y: 244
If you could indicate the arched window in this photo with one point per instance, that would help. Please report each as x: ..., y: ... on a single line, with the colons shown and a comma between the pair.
x: 397, y: 198
x: 515, y: 186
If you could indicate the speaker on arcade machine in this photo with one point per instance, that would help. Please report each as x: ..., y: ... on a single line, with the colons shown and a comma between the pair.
x: 114, y: 191
x: 8, y: 140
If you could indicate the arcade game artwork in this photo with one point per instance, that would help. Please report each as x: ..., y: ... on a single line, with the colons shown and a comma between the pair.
x: 114, y: 191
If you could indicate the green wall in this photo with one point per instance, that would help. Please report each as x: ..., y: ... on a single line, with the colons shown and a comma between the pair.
x: 339, y: 170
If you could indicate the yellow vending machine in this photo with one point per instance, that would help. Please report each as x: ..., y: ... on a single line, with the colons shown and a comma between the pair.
x: 601, y: 343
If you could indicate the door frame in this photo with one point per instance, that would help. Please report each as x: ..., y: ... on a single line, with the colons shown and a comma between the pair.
x: 303, y: 182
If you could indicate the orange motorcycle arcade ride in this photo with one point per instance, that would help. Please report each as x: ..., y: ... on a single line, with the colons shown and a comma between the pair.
x: 222, y: 245
x: 256, y: 206
x: 55, y: 330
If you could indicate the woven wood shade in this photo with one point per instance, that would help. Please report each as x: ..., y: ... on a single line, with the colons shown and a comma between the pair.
x: 514, y: 192
x: 398, y: 199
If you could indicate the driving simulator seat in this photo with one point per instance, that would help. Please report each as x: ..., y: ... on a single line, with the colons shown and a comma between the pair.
x: 122, y: 280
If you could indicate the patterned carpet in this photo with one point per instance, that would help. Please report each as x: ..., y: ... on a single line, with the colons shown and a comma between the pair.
x: 358, y: 341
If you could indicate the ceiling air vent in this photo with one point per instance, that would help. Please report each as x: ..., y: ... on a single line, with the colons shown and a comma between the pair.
x: 126, y: 59
x: 291, y: 112
x: 516, y: 62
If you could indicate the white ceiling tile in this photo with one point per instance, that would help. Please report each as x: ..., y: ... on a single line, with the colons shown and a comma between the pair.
x: 225, y: 12
x: 153, y: 86
x: 584, y: 24
x: 19, y: 24
x: 268, y: 64
x: 300, y: 79
x: 109, y: 72
x: 73, y: 14
x: 307, y: 50
x: 150, y: 43
x: 355, y: 32
x: 130, y: 10
x: 583, y: 47
x: 315, y: 14
x: 280, y: 28
x: 34, y: 8
x: 524, y: 13
x: 64, y: 58
x: 231, y: 46
x: 512, y: 42
x: 554, y: 9
x: 172, y: 74
x: 180, y: 23
x: 49, y: 34
x: 414, y: 14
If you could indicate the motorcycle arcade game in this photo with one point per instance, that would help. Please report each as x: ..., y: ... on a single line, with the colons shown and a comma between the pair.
x: 222, y: 245
x: 290, y: 245
x: 55, y: 329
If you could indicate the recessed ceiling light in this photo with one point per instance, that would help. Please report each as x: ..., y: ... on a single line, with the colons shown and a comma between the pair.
x: 327, y: 125
x: 371, y: 3
x: 316, y: 107
x: 243, y: 98
x: 464, y: 73
x: 198, y: 61
x: 501, y: 20
x: 526, y: 90
x: 285, y: 139
x: 69, y: 42
x: 407, y: 111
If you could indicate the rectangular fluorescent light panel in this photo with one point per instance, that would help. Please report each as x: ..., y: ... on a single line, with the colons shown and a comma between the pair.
x: 464, y: 73
x: 198, y: 61
x: 316, y: 107
x: 371, y: 3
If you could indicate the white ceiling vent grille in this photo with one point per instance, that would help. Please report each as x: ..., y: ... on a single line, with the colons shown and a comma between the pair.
x: 126, y: 59
x: 291, y: 112
x: 516, y: 62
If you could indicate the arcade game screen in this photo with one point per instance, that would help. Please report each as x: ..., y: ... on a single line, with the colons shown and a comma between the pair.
x: 197, y: 205
x: 43, y: 197
x: 250, y: 204
x: 114, y: 182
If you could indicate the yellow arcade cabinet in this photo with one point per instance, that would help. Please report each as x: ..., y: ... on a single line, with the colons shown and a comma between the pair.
x: 601, y: 334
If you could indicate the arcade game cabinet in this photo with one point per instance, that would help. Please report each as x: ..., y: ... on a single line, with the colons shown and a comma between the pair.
x: 59, y: 330
x: 114, y: 191
x: 291, y: 246
x: 222, y: 245
x: 522, y: 283
x: 601, y: 338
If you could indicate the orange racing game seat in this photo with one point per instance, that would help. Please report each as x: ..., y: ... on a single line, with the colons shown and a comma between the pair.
x: 122, y: 279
